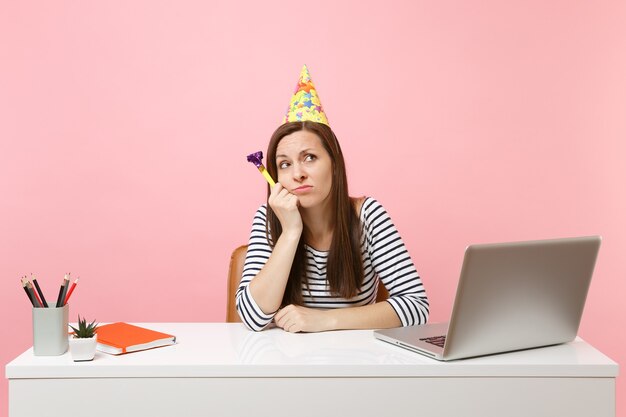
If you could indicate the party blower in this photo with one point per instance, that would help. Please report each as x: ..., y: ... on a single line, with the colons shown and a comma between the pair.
x: 257, y: 159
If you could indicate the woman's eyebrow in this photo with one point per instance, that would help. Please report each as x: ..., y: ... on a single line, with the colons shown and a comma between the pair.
x: 305, y: 151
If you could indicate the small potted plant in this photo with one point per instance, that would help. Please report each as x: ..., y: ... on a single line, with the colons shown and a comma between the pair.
x: 84, y: 340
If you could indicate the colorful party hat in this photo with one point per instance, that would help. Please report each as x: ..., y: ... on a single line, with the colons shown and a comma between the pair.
x: 305, y: 104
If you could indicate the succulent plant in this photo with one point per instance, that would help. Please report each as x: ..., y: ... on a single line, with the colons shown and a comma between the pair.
x: 84, y: 330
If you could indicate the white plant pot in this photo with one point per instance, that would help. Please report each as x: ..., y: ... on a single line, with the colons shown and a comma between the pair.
x: 83, y: 349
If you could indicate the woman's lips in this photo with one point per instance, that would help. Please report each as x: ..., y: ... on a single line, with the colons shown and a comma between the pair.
x: 302, y: 189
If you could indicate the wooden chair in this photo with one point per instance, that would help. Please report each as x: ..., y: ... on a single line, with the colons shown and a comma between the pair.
x: 235, y: 270
x: 237, y: 259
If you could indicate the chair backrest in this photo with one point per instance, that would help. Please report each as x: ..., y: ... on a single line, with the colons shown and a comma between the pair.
x: 234, y: 277
x: 235, y: 270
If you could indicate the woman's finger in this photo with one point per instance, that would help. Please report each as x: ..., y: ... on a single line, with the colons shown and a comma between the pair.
x: 276, y: 188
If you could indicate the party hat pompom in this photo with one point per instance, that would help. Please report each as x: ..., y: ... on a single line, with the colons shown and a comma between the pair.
x: 305, y: 104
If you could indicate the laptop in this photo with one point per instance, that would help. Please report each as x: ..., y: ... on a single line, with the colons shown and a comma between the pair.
x: 510, y: 296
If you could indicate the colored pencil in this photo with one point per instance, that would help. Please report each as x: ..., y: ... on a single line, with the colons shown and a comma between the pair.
x: 66, y: 285
x: 62, y: 291
x: 29, y: 287
x: 27, y: 293
x: 43, y: 299
x: 32, y: 290
x: 67, y: 298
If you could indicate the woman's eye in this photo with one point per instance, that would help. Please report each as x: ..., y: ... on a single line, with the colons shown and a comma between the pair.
x: 283, y: 165
x: 310, y: 157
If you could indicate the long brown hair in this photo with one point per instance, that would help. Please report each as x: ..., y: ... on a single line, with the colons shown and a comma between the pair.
x: 344, y: 269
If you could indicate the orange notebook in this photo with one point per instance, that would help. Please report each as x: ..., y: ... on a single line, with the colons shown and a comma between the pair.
x: 118, y: 338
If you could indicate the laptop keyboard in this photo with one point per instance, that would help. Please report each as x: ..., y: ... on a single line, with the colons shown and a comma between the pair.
x: 435, y: 340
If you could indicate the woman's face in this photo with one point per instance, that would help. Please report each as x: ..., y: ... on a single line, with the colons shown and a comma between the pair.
x: 304, y: 167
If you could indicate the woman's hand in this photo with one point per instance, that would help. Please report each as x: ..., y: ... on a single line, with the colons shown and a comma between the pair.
x: 285, y: 205
x: 293, y: 319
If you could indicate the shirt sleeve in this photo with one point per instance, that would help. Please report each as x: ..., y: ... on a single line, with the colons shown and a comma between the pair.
x: 393, y: 265
x: 259, y: 251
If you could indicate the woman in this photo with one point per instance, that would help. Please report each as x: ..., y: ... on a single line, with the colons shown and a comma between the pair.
x: 315, y: 255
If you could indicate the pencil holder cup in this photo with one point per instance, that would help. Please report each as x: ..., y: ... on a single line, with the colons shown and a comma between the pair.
x: 50, y: 335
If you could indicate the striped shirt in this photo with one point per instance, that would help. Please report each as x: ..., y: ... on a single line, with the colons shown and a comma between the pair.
x: 385, y: 259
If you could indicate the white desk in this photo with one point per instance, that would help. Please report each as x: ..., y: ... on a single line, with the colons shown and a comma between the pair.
x: 225, y: 370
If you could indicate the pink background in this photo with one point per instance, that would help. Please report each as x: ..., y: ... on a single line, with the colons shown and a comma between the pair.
x: 124, y: 128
